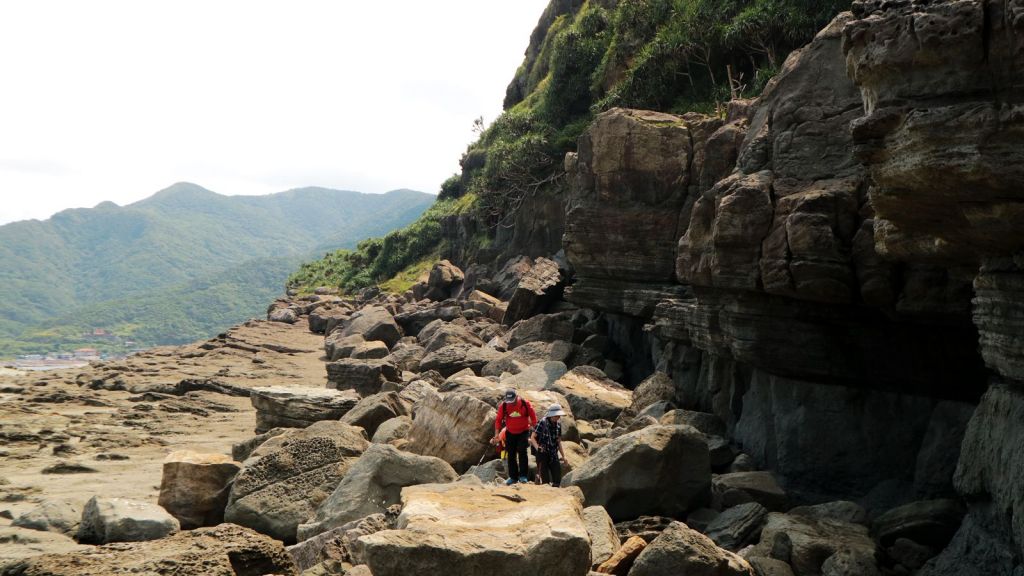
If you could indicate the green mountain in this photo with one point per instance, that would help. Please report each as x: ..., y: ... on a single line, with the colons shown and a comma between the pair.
x: 177, y: 266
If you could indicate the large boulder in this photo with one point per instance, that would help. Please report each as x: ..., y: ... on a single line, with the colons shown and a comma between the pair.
x: 806, y: 543
x: 604, y: 540
x: 537, y: 289
x: 455, y: 427
x: 60, y: 516
x: 738, y: 526
x: 106, y: 520
x: 286, y: 479
x: 466, y: 529
x: 335, y: 547
x: 458, y: 357
x: 281, y: 407
x: 541, y: 328
x: 373, y: 323
x: 444, y: 280
x: 372, y: 411
x: 226, y: 549
x: 592, y: 395
x: 392, y: 430
x: 929, y: 522
x: 659, y: 470
x: 758, y: 486
x: 373, y: 484
x: 364, y: 376
x: 195, y: 487
x: 680, y: 550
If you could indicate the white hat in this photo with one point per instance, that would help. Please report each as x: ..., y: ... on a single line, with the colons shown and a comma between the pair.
x: 554, y: 410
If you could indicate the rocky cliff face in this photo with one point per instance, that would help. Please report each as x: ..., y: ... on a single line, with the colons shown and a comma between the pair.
x: 820, y: 267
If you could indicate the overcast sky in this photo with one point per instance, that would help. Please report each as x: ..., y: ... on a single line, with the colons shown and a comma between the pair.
x: 115, y: 100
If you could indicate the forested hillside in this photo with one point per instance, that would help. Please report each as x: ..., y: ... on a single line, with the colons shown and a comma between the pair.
x: 174, y: 267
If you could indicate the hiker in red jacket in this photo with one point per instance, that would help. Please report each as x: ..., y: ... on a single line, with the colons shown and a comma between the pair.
x: 516, y: 415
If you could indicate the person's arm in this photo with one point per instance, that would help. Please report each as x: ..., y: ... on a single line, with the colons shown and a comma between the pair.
x: 533, y: 440
x: 497, y: 425
x: 531, y: 414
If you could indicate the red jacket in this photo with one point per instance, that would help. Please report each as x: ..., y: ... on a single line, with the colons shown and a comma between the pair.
x: 517, y: 417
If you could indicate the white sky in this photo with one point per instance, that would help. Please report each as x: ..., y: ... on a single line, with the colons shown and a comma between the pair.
x: 115, y: 100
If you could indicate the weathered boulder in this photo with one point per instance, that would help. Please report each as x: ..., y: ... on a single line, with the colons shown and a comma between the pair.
x: 514, y: 361
x: 287, y: 478
x: 463, y: 529
x: 769, y: 566
x: 656, y: 470
x: 281, y: 407
x: 706, y: 423
x: 657, y: 387
x: 604, y: 540
x: 373, y: 484
x: 806, y: 543
x: 337, y: 346
x: 850, y: 563
x: 680, y: 550
x: 454, y: 427
x: 452, y: 359
x: 106, y: 520
x: 226, y: 549
x: 337, y: 546
x: 929, y: 522
x: 438, y: 335
x: 540, y: 376
x: 364, y: 376
x: 760, y: 486
x: 622, y: 560
x: 407, y: 356
x: 392, y: 430
x: 195, y: 487
x: 738, y: 526
x: 536, y: 290
x: 370, y: 350
x: 284, y: 315
x: 541, y: 328
x: 373, y: 323
x: 591, y: 394
x: 445, y: 278
x: 60, y: 516
x: 325, y: 318
x: 841, y: 510
x: 372, y: 411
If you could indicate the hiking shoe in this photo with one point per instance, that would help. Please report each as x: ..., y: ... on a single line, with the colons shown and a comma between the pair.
x: 524, y: 480
x: 510, y: 481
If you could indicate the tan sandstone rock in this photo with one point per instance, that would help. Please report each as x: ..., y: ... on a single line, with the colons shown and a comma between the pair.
x: 195, y: 487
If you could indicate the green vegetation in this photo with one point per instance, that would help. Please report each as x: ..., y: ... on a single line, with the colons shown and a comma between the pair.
x: 378, y: 259
x: 585, y: 57
x: 181, y: 265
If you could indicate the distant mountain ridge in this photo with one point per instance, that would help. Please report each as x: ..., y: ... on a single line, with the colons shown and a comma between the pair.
x: 82, y: 259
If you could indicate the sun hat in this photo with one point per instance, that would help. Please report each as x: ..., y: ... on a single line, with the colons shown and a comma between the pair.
x: 510, y: 396
x: 554, y: 410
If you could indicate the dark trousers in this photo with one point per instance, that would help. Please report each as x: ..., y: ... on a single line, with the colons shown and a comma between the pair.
x: 550, y: 468
x: 515, y: 444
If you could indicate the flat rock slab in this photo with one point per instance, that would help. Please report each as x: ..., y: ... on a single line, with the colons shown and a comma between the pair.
x: 224, y: 549
x: 281, y: 407
x: 464, y: 529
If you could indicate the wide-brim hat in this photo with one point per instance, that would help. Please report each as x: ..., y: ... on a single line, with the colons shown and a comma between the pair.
x: 554, y: 410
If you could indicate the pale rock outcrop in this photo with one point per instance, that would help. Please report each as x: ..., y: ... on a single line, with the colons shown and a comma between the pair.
x: 281, y: 407
x: 195, y: 487
x: 463, y: 529
x: 454, y: 427
x: 373, y: 484
x: 106, y: 520
x: 656, y: 470
x: 592, y: 395
x: 286, y: 479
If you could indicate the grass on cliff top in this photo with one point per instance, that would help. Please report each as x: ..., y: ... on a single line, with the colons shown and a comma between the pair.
x: 391, y: 261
